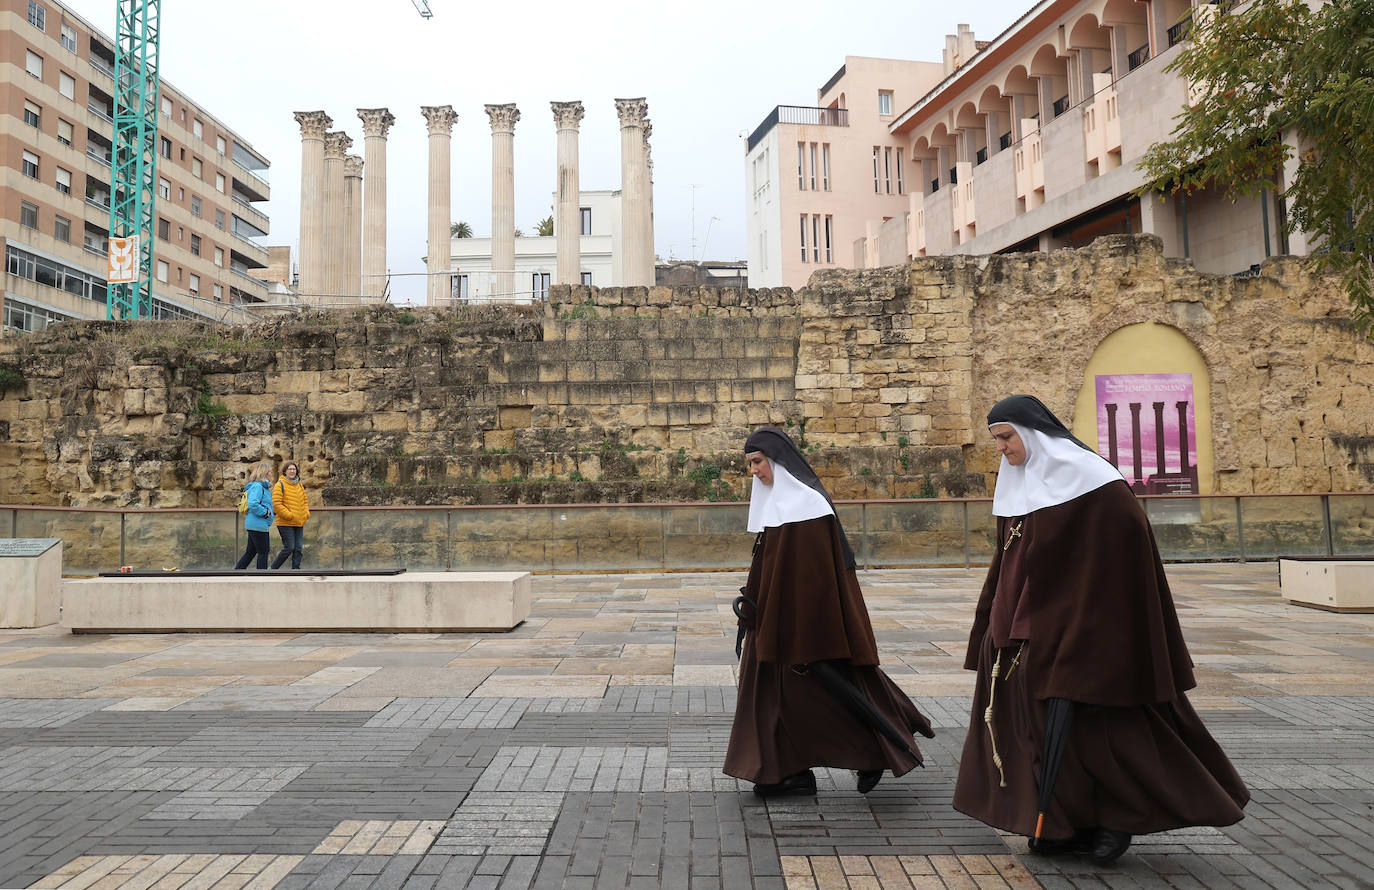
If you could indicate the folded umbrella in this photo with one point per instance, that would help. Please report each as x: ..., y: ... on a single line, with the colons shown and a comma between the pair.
x: 1058, y: 720
x: 838, y: 684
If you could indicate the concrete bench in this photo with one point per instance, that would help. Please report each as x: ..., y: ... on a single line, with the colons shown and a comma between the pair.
x: 1336, y: 585
x: 411, y: 602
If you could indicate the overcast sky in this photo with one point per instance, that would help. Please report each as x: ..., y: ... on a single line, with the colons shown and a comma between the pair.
x: 711, y: 71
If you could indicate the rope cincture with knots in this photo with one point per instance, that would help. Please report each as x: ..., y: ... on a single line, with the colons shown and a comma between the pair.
x: 987, y: 715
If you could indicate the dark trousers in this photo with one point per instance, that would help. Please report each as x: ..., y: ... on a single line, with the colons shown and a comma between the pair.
x: 259, y: 543
x: 291, y: 537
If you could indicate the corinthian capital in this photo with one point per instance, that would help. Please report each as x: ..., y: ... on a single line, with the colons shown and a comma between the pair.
x: 376, y: 121
x: 567, y: 115
x: 440, y: 118
x: 353, y: 166
x: 313, y: 123
x: 503, y: 117
x: 633, y: 112
x: 336, y: 144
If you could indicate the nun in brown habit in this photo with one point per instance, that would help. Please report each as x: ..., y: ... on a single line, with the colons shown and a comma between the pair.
x: 1076, y: 607
x: 804, y: 626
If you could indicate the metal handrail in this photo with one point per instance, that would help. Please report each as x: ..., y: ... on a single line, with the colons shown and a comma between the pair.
x: 1137, y: 57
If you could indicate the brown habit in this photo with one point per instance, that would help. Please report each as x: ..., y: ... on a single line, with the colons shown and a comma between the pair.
x: 1083, y: 586
x: 810, y: 608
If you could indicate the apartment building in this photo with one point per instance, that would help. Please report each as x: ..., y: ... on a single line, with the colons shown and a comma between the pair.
x: 56, y: 131
x: 819, y: 177
x: 1031, y: 141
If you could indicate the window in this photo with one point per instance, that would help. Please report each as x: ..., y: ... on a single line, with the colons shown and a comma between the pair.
x: 816, y: 239
x: 801, y: 165
x: 195, y: 245
x: 876, y: 190
x: 166, y: 110
x: 219, y: 219
x: 219, y: 144
x: 218, y: 291
x: 38, y: 16
x: 66, y: 84
x: 194, y: 286
x: 30, y: 165
x: 219, y: 183
x: 825, y: 166
x: 182, y: 156
x: 197, y: 129
x: 813, y: 166
x: 64, y: 131
x: 164, y: 229
x: 33, y: 115
x: 162, y: 271
x: 165, y: 147
x: 803, y: 237
x: 829, y: 239
x: 585, y: 215
x: 69, y: 38
x: 33, y: 63
x: 181, y: 234
x: 195, y: 167
x: 181, y: 193
x: 884, y: 101
x: 64, y: 181
x: 887, y: 170
x: 195, y: 206
x: 164, y: 188
x: 587, y: 279
x: 458, y: 287
x: 539, y: 284
x: 901, y: 187
x: 28, y: 215
x: 62, y: 229
x: 219, y: 257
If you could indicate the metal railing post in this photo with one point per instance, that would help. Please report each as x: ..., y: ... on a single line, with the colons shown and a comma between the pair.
x: 448, y: 556
x: 1326, y: 526
x: 123, y: 555
x: 968, y: 554
x: 863, y: 526
x: 1240, y: 531
x: 343, y: 517
x: 663, y: 537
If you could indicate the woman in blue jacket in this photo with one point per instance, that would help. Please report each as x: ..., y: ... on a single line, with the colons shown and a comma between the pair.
x: 257, y: 520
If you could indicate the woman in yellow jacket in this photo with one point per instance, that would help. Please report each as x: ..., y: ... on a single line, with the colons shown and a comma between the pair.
x: 292, y: 508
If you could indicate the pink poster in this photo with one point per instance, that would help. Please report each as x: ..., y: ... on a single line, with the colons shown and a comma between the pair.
x: 1146, y: 428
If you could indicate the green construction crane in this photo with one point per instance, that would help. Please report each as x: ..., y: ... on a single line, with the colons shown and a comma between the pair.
x: 133, y: 190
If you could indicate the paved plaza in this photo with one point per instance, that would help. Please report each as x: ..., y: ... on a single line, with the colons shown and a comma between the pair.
x: 583, y: 749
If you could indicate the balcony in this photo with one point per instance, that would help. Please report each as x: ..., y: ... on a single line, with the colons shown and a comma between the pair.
x: 104, y: 67
x: 255, y: 212
x: 1004, y: 141
x: 1138, y: 57
x: 260, y: 175
x: 981, y: 156
x: 1061, y: 105
x: 103, y: 158
x: 798, y: 114
x: 102, y: 113
x: 954, y: 175
x: 935, y: 184
x: 1179, y: 33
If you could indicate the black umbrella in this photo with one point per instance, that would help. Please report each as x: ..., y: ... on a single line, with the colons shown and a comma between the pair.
x: 838, y: 684
x: 1058, y: 719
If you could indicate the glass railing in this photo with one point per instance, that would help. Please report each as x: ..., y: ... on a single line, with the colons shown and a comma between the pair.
x: 667, y: 537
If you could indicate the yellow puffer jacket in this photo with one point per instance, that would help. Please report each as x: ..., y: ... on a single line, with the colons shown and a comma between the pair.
x: 289, y: 501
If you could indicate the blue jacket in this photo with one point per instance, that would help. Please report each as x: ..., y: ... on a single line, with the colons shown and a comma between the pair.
x: 259, y: 516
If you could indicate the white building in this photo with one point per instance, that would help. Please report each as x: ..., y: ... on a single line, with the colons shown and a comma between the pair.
x: 474, y: 280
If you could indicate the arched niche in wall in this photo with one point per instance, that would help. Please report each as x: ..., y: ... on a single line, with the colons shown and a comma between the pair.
x: 1149, y: 384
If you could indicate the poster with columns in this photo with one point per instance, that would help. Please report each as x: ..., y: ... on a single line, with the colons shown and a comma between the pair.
x: 1146, y: 429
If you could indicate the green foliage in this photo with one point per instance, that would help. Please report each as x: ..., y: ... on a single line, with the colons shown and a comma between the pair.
x: 544, y: 227
x: 576, y: 476
x: 707, y: 478
x: 1277, y: 78
x: 10, y: 378
x: 680, y: 459
x: 580, y: 312
x: 207, y: 405
x: 927, y: 489
x: 460, y: 229
x: 406, y: 317
x: 865, y: 471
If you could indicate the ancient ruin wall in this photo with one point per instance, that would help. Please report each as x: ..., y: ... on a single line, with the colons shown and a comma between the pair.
x: 644, y: 394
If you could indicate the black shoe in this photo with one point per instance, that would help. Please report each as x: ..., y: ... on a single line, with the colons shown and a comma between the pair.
x: 803, y: 782
x: 869, y: 779
x: 1081, y: 842
x: 1108, y: 846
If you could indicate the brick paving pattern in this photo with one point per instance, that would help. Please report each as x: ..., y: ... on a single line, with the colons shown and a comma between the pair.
x: 583, y: 750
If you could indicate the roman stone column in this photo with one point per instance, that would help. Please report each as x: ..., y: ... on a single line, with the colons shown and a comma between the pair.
x: 313, y: 125
x: 439, y: 259
x: 566, y: 117
x: 376, y: 123
x: 336, y: 145
x: 353, y: 225
x: 503, y: 118
x: 633, y: 211
x: 649, y: 204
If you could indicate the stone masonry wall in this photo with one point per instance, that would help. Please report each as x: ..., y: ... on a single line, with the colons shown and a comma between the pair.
x: 645, y: 394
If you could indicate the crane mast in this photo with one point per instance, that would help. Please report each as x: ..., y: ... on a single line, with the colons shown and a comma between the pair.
x: 133, y: 191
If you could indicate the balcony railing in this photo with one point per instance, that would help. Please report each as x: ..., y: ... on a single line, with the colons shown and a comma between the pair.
x: 981, y: 156
x: 100, y: 112
x: 1179, y: 33
x: 1061, y: 105
x: 935, y: 184
x: 1004, y: 141
x: 259, y: 175
x: 953, y: 175
x: 250, y: 208
x: 884, y: 534
x: 102, y: 158
x: 1138, y: 57
x: 798, y: 114
x: 102, y: 66
x: 94, y: 203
